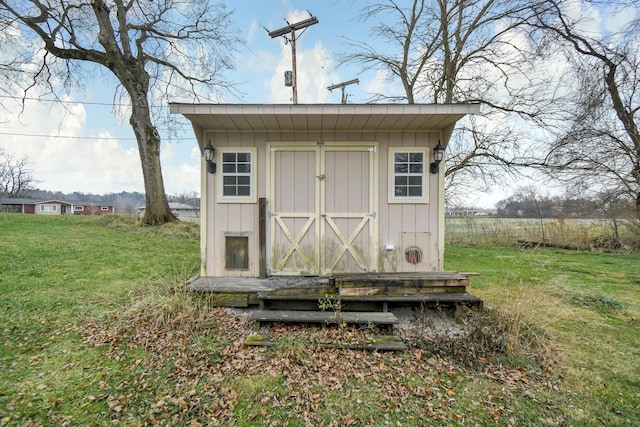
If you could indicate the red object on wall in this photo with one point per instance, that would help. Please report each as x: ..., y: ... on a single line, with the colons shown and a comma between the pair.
x: 413, y: 255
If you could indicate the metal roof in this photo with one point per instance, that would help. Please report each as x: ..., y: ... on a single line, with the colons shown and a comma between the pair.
x: 18, y: 201
x: 323, y: 117
x: 28, y: 201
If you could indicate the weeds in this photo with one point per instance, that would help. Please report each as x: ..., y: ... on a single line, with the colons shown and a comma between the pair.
x: 335, y: 305
x: 508, y: 231
x: 602, y: 303
x: 163, y: 304
x: 509, y: 333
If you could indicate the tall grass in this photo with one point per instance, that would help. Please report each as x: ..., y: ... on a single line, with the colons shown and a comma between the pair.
x: 508, y: 231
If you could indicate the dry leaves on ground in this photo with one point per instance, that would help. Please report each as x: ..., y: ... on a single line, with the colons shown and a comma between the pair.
x: 214, y: 378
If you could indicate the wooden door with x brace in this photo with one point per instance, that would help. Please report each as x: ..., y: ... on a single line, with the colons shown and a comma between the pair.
x: 322, y: 208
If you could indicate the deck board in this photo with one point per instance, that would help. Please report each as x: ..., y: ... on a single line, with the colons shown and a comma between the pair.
x: 376, y: 318
x: 423, y: 287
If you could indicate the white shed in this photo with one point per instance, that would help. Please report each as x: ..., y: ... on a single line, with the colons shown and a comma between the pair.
x: 319, y: 190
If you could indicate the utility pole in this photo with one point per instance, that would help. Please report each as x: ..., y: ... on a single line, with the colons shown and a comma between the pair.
x: 342, y: 86
x: 291, y: 29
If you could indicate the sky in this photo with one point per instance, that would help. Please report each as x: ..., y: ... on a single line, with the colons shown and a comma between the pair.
x: 83, y: 144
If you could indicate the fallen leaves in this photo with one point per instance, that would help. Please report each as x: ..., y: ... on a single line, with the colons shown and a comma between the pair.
x: 214, y: 379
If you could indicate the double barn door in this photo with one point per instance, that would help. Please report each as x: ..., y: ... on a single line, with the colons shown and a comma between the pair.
x: 323, y: 204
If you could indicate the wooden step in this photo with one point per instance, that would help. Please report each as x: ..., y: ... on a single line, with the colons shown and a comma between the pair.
x: 380, y: 301
x: 398, y: 280
x: 380, y: 342
x: 329, y: 317
x: 455, y: 298
x: 399, y: 291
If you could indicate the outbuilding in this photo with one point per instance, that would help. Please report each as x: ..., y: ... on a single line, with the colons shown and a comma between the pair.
x: 322, y: 190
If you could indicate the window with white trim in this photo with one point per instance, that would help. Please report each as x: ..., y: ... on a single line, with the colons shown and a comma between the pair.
x: 408, y: 175
x: 48, y: 208
x: 104, y: 208
x: 237, y: 175
x: 78, y: 208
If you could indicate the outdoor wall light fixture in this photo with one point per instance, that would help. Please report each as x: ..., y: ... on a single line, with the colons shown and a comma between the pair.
x: 209, y: 156
x: 438, y: 155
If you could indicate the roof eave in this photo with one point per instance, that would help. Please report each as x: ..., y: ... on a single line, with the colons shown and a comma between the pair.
x: 323, y: 117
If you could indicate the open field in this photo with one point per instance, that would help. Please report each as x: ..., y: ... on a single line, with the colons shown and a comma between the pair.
x: 94, y: 330
x: 507, y: 231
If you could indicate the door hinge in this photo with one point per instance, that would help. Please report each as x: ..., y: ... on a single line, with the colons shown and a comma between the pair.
x: 372, y: 215
x: 321, y: 177
x: 320, y: 143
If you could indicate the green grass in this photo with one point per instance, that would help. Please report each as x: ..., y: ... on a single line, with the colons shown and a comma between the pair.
x: 95, y: 331
x: 56, y: 272
x: 589, y: 301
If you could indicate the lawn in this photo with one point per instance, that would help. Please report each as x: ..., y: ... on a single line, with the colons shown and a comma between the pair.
x: 94, y: 330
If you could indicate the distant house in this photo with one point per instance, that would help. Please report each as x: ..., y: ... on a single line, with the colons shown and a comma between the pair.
x: 92, y: 208
x: 180, y: 210
x: 24, y: 206
x: 54, y: 207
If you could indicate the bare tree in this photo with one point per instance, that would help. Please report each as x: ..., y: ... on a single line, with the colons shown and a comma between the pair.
x: 15, y: 176
x: 448, y: 51
x: 146, y: 45
x: 599, y: 145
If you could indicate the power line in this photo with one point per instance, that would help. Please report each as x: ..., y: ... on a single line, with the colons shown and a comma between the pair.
x: 61, y: 101
x: 85, y: 137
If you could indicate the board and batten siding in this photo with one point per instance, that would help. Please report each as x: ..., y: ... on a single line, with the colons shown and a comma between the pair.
x: 404, y: 225
x: 398, y: 225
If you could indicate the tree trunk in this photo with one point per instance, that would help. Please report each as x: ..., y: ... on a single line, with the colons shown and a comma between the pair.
x: 157, y: 211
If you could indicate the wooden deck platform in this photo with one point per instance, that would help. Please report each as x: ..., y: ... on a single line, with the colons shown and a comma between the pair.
x: 355, y: 298
x: 361, y: 292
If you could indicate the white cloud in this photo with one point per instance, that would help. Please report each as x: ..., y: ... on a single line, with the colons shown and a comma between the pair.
x: 180, y: 177
x: 380, y: 84
x: 52, y: 137
x: 254, y: 28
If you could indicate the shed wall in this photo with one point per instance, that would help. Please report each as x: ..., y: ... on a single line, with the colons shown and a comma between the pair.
x: 400, y: 225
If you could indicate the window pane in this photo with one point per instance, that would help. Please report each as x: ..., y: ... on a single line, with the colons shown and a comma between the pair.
x: 415, y: 191
x: 230, y: 180
x: 400, y: 157
x: 415, y: 157
x: 228, y: 168
x: 229, y: 190
x: 401, y: 180
x: 244, y: 180
x: 401, y: 191
x: 401, y: 168
x: 228, y: 157
x: 244, y: 168
x: 244, y: 157
x: 415, y: 168
x: 415, y: 180
x: 244, y: 190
